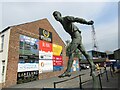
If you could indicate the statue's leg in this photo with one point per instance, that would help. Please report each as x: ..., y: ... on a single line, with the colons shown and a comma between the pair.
x: 92, y: 66
x: 82, y: 49
x: 73, y: 46
x: 69, y: 65
x: 70, y: 62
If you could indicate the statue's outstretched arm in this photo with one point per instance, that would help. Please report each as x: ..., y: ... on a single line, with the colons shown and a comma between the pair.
x: 78, y: 20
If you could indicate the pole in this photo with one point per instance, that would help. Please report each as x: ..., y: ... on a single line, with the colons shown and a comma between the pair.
x: 80, y: 82
x: 94, y: 40
x: 100, y: 81
x: 54, y: 85
x: 101, y: 72
x: 106, y: 75
x: 111, y: 71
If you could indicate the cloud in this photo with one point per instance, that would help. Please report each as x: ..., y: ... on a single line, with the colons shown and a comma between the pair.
x: 30, y: 11
x: 27, y: 11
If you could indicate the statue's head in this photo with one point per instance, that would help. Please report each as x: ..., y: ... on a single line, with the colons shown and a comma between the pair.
x: 57, y: 15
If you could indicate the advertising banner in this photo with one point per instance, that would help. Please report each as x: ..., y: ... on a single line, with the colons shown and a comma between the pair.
x: 57, y: 61
x: 28, y: 54
x: 22, y: 67
x: 45, y: 46
x: 57, y: 68
x: 45, y: 66
x: 45, y: 55
x: 28, y: 45
x: 27, y: 76
x: 45, y: 35
x: 75, y: 66
x: 57, y: 49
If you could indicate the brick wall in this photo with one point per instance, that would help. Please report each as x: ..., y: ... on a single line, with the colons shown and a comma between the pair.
x: 31, y: 30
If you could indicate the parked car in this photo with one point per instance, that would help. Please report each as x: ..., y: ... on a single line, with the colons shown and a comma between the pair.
x: 83, y: 66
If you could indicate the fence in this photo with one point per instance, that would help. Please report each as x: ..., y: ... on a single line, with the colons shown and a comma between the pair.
x: 80, y: 81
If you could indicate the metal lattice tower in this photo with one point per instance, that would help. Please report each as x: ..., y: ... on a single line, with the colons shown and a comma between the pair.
x: 94, y: 40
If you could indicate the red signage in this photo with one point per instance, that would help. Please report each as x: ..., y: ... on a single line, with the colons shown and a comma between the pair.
x: 45, y: 46
x: 57, y: 61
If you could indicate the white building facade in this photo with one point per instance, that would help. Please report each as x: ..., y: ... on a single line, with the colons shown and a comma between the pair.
x: 4, y: 43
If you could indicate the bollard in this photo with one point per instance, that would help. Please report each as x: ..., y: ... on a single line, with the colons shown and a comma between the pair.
x: 111, y: 72
x: 100, y: 81
x: 80, y: 82
x: 101, y: 72
x: 106, y: 75
x: 54, y: 85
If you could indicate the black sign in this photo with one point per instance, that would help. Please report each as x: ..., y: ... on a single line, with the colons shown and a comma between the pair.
x: 45, y: 35
x: 28, y: 76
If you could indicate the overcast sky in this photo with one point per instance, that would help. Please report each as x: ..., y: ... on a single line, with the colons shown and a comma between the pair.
x: 104, y: 14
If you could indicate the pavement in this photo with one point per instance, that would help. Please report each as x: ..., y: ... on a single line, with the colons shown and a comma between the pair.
x: 112, y: 83
x: 49, y: 83
x: 71, y: 84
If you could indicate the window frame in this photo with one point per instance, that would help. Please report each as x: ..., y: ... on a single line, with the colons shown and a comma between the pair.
x: 3, y: 67
x: 2, y: 42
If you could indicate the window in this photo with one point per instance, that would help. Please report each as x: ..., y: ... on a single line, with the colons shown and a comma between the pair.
x: 2, y: 42
x: 3, y: 67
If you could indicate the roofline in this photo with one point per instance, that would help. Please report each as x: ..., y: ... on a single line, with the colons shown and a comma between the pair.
x: 117, y: 50
x: 96, y: 51
x: 5, y: 29
x: 31, y: 22
x: 18, y: 25
x: 55, y: 31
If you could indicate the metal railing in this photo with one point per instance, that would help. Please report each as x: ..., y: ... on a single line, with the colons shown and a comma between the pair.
x: 80, y: 81
x: 70, y: 79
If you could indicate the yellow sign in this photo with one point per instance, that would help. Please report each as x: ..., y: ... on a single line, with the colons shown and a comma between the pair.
x: 57, y: 49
